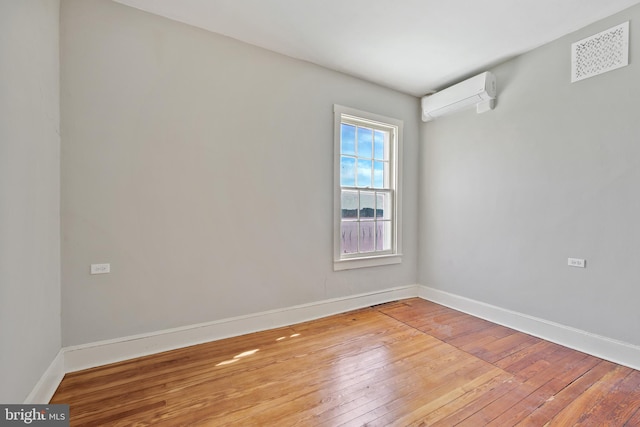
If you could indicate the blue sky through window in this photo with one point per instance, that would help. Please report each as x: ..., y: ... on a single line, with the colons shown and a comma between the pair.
x: 347, y: 171
x: 348, y: 139
x: 365, y: 143
x: 363, y: 157
x: 378, y: 143
x: 364, y: 173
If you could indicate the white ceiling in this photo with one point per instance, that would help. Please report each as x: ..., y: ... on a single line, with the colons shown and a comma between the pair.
x: 414, y: 46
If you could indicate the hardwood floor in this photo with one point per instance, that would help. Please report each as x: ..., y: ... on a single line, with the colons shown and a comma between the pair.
x: 406, y: 363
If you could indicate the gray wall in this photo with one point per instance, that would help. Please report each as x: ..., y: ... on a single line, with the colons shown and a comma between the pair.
x: 553, y: 172
x: 201, y: 169
x: 29, y: 194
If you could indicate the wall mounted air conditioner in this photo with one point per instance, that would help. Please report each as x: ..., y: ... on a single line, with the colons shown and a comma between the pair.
x: 479, y: 91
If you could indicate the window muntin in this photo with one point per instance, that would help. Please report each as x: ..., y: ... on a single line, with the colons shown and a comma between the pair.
x: 367, y: 189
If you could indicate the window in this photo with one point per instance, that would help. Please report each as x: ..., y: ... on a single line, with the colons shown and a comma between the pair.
x: 367, y: 189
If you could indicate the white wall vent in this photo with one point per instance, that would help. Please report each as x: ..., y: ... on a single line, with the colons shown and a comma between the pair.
x: 600, y: 53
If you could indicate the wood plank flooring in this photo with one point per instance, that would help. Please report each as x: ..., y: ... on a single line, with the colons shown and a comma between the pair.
x: 406, y: 363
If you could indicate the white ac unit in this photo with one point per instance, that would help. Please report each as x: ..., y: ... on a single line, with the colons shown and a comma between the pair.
x: 479, y: 91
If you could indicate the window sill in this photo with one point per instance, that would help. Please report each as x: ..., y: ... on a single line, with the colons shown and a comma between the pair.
x: 373, y: 261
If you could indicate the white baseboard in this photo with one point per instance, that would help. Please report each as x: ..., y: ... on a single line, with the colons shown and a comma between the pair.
x: 75, y: 358
x: 110, y: 351
x: 99, y: 353
x: 49, y: 381
x: 606, y: 348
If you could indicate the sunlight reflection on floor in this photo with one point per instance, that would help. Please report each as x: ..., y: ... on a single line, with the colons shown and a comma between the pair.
x: 251, y: 352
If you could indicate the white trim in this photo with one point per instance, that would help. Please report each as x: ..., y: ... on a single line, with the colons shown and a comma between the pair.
x: 374, y: 261
x: 49, y: 381
x: 110, y: 351
x: 396, y: 128
x: 85, y: 356
x: 606, y: 348
x: 99, y: 353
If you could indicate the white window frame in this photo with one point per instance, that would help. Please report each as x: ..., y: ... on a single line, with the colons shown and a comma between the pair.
x: 395, y: 126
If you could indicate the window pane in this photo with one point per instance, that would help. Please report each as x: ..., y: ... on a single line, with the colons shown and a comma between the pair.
x: 378, y: 175
x: 367, y: 151
x: 367, y: 204
x: 383, y: 205
x: 348, y: 171
x: 383, y: 235
x: 349, y: 204
x: 365, y: 142
x: 364, y: 173
x: 349, y: 237
x: 378, y: 143
x: 348, y: 139
x: 380, y: 205
x: 367, y: 236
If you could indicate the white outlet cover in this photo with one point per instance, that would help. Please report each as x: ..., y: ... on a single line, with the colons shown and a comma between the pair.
x: 100, y: 268
x: 577, y: 262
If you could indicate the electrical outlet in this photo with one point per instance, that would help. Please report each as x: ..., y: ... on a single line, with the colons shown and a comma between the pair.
x: 100, y: 268
x: 577, y: 262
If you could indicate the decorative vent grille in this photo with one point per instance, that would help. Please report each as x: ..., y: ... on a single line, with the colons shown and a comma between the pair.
x: 600, y: 53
